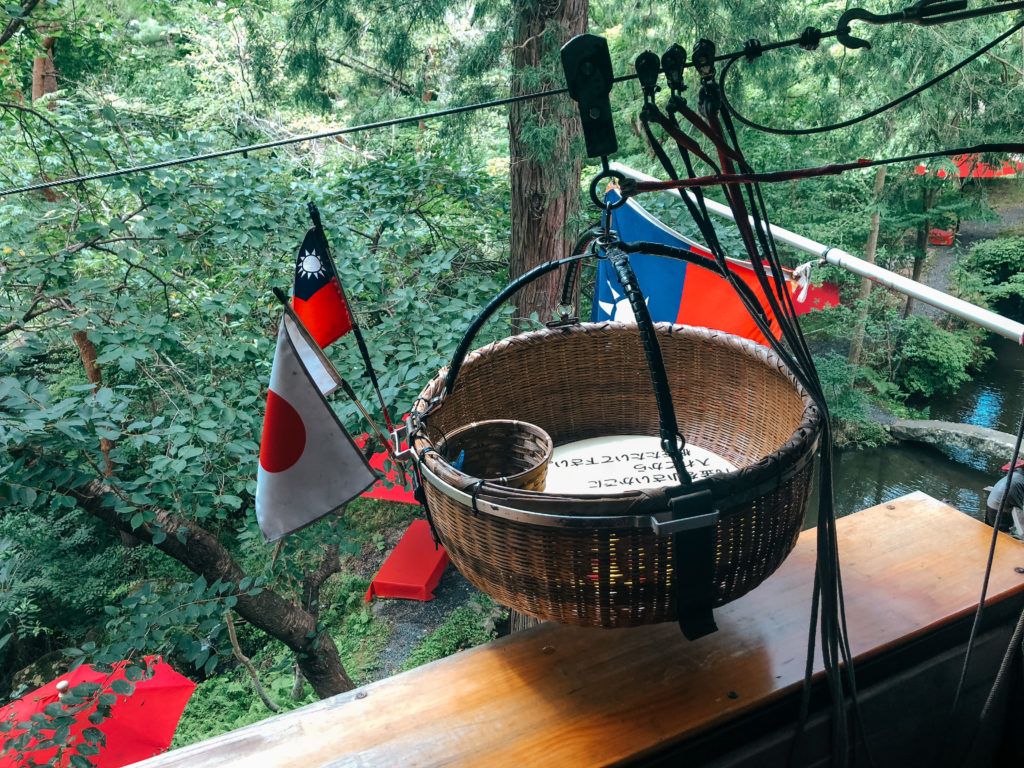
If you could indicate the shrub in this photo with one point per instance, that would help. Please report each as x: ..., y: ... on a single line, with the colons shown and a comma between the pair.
x: 929, y: 360
x: 997, y: 260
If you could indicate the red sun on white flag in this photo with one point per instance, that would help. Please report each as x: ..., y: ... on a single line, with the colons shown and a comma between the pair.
x: 309, y: 467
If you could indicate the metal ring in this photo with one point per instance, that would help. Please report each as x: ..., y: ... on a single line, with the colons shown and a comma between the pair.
x: 607, y: 174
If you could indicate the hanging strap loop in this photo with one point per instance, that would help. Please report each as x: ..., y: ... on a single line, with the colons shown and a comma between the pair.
x: 671, y: 440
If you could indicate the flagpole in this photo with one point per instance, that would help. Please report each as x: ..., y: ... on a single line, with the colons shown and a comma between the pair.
x: 349, y: 392
x: 314, y: 215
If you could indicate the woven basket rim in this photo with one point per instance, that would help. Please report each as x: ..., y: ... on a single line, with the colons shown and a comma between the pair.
x: 549, y: 449
x: 754, y: 479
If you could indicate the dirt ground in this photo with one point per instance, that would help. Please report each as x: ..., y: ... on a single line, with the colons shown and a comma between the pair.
x: 410, y: 620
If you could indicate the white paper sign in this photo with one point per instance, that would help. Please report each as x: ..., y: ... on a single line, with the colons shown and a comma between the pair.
x: 619, y: 463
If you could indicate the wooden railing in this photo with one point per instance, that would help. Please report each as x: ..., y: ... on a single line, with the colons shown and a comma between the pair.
x: 565, y: 696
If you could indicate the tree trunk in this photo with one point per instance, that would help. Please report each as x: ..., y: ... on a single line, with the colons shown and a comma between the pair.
x: 329, y: 565
x: 544, y: 171
x: 870, y: 248
x: 920, y: 246
x: 87, y: 354
x: 44, y: 81
x: 201, y: 552
x: 44, y: 72
x: 17, y: 21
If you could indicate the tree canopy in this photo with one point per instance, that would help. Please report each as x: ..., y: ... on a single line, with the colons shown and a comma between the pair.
x: 136, y: 314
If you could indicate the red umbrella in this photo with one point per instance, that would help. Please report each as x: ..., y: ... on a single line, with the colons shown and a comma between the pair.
x: 141, y: 723
x: 1019, y: 465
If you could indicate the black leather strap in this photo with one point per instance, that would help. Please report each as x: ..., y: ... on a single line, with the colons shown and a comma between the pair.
x: 693, y: 568
x: 671, y: 439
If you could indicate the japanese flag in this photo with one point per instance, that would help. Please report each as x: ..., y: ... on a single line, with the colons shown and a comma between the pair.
x: 309, y: 467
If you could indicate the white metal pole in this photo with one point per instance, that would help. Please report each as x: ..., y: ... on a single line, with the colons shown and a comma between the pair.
x: 1003, y: 326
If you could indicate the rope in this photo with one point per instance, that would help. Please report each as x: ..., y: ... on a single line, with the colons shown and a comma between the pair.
x: 827, y: 602
x: 866, y: 115
x: 831, y: 169
x: 976, y: 623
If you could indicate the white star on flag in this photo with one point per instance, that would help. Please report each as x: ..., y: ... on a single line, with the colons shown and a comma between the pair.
x: 309, y: 467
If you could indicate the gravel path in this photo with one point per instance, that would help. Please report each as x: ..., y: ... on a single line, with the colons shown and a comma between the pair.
x: 938, y: 272
x: 412, y: 620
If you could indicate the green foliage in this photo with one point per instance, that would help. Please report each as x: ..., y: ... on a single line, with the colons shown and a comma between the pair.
x: 930, y: 360
x: 227, y: 701
x: 466, y: 626
x: 997, y: 260
x: 992, y: 272
x: 849, y: 405
x: 168, y: 274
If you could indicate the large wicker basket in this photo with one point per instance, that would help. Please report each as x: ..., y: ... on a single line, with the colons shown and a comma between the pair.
x: 606, y: 560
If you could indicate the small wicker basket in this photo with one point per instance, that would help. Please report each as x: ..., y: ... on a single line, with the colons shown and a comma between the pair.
x: 501, y: 451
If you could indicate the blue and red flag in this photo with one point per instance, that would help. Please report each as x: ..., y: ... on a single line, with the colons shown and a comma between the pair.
x: 318, y: 298
x: 678, y: 292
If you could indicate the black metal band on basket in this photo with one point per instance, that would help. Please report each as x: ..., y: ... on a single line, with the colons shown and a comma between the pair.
x: 494, y: 305
x: 693, y: 549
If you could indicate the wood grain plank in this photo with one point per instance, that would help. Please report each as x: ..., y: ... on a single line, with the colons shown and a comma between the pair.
x: 557, y: 695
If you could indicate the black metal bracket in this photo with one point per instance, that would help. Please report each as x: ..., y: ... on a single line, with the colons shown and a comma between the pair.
x: 588, y: 75
x: 648, y: 69
x: 673, y: 62
x: 704, y: 59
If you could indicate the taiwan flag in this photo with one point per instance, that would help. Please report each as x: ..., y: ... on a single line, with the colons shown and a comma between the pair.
x: 679, y: 292
x: 318, y: 298
x: 309, y: 466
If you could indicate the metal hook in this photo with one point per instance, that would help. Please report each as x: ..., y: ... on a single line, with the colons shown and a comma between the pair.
x: 921, y: 12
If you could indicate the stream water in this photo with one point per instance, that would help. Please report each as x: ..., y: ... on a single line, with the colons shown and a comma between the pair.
x: 993, y: 399
x: 866, y: 478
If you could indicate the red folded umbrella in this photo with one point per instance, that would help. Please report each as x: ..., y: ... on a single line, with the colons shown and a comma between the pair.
x: 141, y: 724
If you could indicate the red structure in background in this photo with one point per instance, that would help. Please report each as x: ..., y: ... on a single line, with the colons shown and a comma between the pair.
x: 413, y: 569
x: 400, y: 486
x: 973, y: 167
x: 968, y: 167
x: 941, y: 236
x: 141, y: 723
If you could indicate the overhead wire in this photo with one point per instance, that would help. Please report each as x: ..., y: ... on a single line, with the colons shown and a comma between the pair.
x: 809, y: 39
x: 759, y: 242
x: 284, y: 142
x: 916, y: 91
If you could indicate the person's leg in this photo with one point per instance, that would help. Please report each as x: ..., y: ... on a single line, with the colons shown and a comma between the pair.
x: 1005, y: 524
x: 1018, y: 522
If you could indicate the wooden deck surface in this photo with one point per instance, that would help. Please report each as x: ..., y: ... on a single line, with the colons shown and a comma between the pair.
x: 565, y: 696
